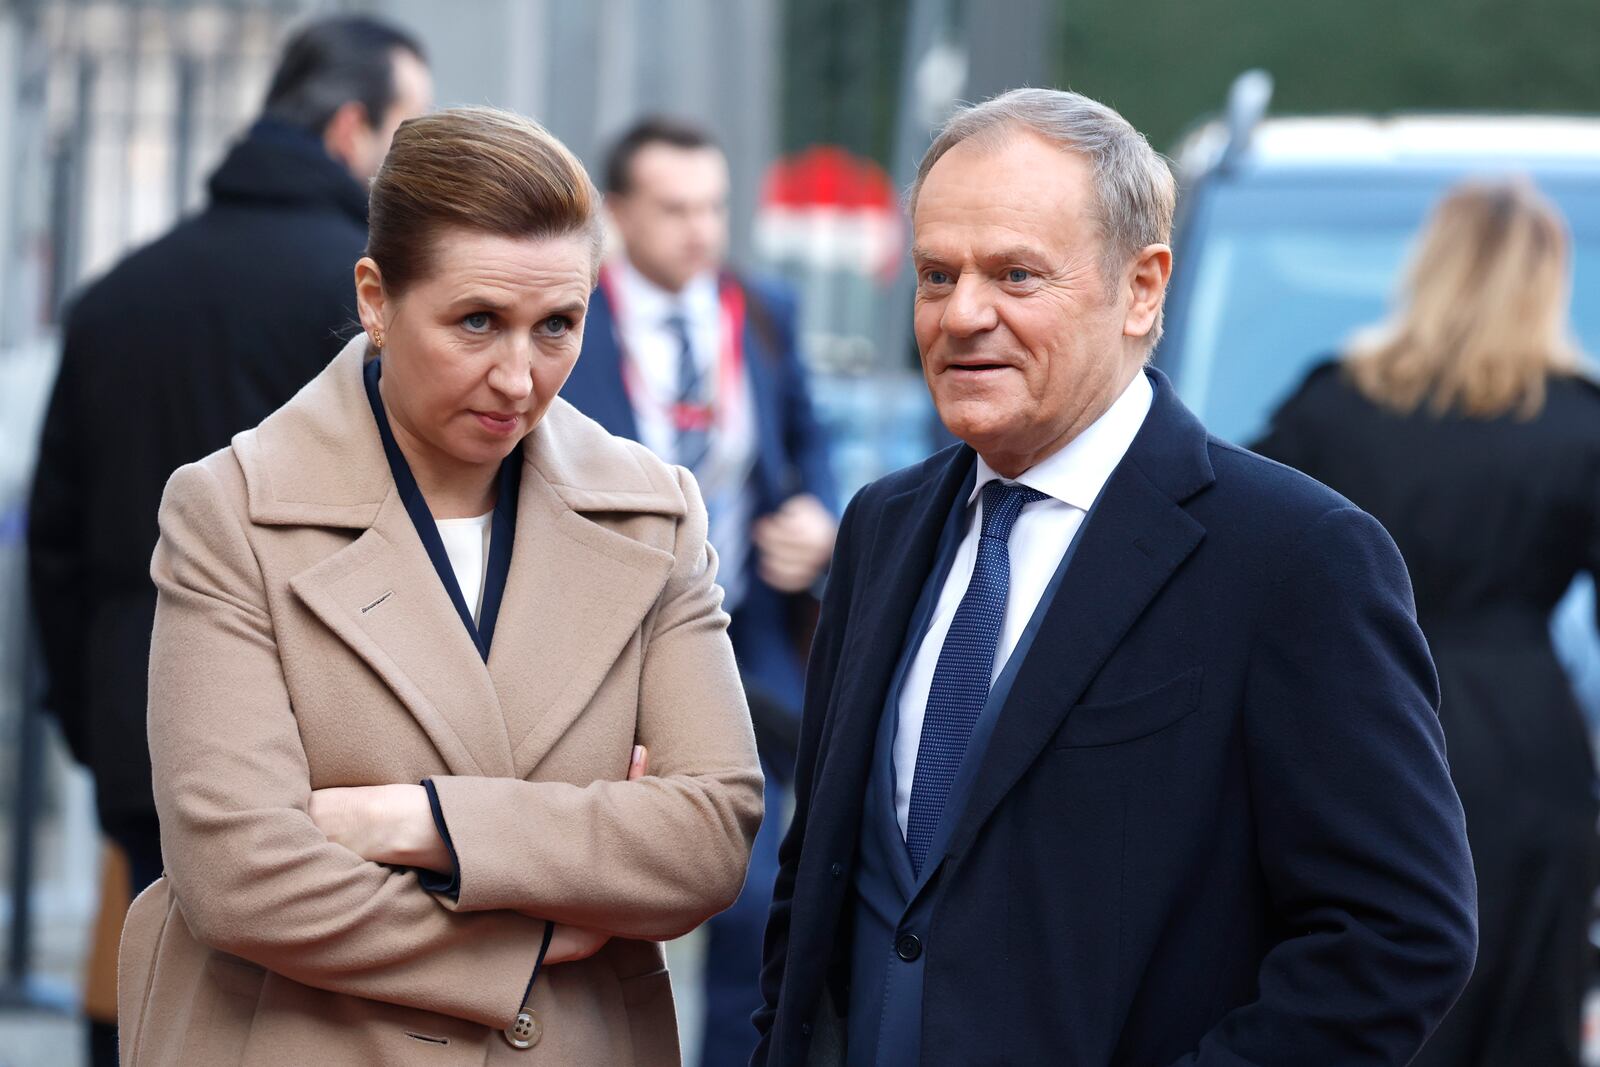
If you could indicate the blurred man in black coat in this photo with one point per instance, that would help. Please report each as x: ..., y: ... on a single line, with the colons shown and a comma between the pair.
x: 184, y: 343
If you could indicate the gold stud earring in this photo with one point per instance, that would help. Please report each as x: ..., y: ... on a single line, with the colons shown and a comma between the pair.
x: 377, y: 339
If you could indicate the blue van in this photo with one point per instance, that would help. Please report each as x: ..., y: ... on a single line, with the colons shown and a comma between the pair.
x: 1293, y: 232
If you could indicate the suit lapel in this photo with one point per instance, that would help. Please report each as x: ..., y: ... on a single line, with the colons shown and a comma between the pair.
x: 383, y: 598
x: 897, y: 566
x: 767, y: 421
x: 1138, y: 537
x: 596, y: 385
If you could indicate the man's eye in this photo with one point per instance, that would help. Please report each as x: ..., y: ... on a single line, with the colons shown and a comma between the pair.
x: 555, y: 326
x: 477, y: 322
x: 1018, y: 275
x: 937, y: 277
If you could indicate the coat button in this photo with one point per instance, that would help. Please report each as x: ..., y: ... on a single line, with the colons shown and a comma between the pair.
x: 525, y: 1030
x: 805, y: 1029
x: 908, y: 947
x: 838, y: 869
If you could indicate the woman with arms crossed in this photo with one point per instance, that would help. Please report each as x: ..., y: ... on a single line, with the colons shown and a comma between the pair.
x: 412, y: 631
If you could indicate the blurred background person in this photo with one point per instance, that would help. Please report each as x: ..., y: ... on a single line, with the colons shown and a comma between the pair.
x: 703, y: 367
x: 189, y: 340
x: 1467, y: 427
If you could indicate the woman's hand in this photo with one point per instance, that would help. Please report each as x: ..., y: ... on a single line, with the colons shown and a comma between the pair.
x: 570, y: 943
x: 394, y: 823
x: 382, y: 823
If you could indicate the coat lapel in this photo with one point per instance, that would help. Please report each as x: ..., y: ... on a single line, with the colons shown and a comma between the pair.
x: 575, y: 587
x: 577, y: 590
x: 383, y: 598
x: 1139, y: 536
x: 546, y: 663
x: 379, y: 594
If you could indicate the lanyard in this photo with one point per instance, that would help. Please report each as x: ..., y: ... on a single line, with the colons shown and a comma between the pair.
x: 719, y: 409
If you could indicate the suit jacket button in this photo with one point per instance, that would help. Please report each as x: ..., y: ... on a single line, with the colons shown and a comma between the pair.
x: 525, y: 1030
x: 838, y: 869
x: 908, y: 947
x: 805, y: 1029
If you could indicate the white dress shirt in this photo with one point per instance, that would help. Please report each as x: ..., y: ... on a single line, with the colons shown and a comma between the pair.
x: 1071, y: 479
x: 651, y: 347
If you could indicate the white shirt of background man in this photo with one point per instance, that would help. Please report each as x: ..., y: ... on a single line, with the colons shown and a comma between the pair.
x: 653, y: 346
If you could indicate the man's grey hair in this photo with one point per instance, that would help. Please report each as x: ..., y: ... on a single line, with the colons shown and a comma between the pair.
x: 1134, y: 191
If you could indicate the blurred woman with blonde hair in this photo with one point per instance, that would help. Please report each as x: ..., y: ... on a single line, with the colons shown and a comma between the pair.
x: 1465, y: 424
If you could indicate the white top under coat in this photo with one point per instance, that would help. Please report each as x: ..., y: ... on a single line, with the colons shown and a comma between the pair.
x: 466, y: 542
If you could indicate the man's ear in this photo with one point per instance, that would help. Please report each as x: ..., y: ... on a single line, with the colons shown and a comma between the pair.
x: 346, y: 132
x: 1147, y: 279
x: 616, y: 205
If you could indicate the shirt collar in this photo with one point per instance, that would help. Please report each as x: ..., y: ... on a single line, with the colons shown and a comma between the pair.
x: 1077, y: 472
x: 646, y: 304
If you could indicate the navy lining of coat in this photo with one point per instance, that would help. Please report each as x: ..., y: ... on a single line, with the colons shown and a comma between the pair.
x: 501, y: 531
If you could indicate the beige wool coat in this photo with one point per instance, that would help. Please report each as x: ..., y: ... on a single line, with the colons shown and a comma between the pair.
x: 304, y: 640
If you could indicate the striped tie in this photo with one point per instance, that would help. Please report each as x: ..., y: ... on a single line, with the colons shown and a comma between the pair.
x: 693, y: 439
x: 966, y: 665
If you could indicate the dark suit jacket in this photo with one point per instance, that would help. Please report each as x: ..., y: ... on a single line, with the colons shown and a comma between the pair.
x: 1214, y: 824
x: 791, y: 457
x: 186, y: 342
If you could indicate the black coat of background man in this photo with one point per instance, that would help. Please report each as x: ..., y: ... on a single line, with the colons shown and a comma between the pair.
x: 183, y: 344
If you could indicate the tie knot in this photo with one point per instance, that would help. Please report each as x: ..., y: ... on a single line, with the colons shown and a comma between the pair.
x: 1002, y: 503
x: 678, y: 323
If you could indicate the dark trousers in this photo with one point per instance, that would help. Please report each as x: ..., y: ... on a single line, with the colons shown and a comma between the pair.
x: 141, y: 843
x: 733, y: 950
x: 1520, y: 758
x: 102, y: 1038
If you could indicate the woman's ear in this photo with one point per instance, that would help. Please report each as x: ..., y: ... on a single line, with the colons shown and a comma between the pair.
x: 371, y: 302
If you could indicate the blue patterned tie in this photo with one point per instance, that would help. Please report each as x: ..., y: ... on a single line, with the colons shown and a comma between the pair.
x: 966, y: 665
x: 693, y: 441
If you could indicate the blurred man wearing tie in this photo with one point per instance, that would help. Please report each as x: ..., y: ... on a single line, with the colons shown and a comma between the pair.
x: 703, y: 367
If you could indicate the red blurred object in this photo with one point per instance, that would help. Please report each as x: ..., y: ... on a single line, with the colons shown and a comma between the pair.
x: 829, y: 209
